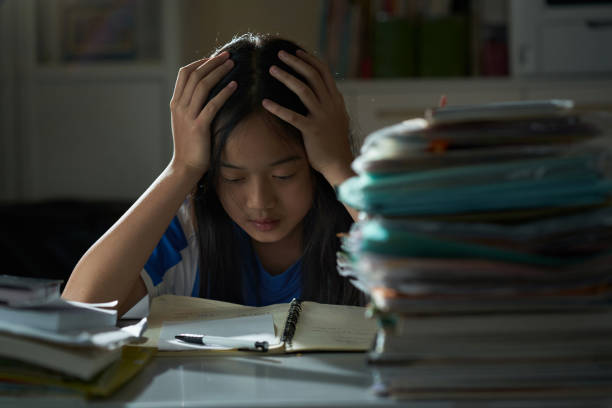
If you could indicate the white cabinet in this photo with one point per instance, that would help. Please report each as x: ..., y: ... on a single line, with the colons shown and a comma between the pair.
x: 560, y: 37
x: 97, y: 128
x: 374, y: 104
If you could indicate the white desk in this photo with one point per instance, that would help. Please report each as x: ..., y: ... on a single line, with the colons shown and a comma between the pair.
x: 308, y: 380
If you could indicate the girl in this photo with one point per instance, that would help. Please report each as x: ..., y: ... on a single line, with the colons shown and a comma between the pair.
x: 260, y: 137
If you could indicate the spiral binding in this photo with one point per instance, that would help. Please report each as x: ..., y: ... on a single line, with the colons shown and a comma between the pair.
x: 292, y: 318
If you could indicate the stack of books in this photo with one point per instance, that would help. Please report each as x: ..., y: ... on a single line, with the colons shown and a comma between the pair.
x: 484, y: 244
x: 48, y: 344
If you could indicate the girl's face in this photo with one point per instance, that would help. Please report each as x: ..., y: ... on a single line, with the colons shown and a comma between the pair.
x: 265, y: 183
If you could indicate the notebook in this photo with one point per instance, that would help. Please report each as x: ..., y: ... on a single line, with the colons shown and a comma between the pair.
x: 79, y: 362
x: 512, y: 110
x: 299, y: 325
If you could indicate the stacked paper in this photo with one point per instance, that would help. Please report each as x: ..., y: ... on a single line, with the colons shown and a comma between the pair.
x: 485, y: 246
x: 49, y: 343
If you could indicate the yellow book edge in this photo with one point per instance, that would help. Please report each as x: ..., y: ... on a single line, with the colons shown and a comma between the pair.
x: 132, y: 361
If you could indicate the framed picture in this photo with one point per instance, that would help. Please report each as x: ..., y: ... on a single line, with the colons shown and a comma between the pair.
x: 99, y: 30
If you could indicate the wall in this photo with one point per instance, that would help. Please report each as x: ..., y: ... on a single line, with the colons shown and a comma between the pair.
x: 208, y: 24
x: 60, y: 124
x: 91, y: 130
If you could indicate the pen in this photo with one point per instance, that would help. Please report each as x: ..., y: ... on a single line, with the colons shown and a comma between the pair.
x: 223, y: 341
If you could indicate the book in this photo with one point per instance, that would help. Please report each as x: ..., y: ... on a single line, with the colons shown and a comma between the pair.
x: 60, y: 315
x: 481, y: 253
x: 567, y: 181
x: 509, y: 336
x: 79, y: 362
x: 482, y: 324
x: 510, y: 346
x: 514, y: 110
x: 299, y: 325
x: 31, y: 378
x: 415, y: 145
x: 438, y: 379
x: 105, y: 337
x: 19, y: 290
x: 389, y: 300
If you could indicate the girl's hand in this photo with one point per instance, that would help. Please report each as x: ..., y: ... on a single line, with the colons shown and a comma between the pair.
x: 326, y: 127
x: 191, y: 122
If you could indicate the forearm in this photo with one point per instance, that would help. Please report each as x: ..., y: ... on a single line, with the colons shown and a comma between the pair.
x: 336, y: 176
x: 110, y: 268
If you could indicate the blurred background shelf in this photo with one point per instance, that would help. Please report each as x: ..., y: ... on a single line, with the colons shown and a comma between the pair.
x: 85, y: 84
x: 373, y: 104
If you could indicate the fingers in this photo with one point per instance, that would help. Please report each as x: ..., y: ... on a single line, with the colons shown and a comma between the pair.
x: 183, y: 75
x: 322, y: 68
x: 205, y: 84
x: 308, y: 71
x: 289, y: 116
x: 213, y: 106
x: 198, y: 73
x: 303, y: 91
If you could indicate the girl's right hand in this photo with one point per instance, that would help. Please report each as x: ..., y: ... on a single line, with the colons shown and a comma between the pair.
x: 191, y: 122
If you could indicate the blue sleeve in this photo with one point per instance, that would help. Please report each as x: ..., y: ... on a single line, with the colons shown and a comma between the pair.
x: 167, y: 252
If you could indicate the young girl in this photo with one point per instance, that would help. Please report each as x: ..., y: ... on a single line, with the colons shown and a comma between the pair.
x: 260, y: 137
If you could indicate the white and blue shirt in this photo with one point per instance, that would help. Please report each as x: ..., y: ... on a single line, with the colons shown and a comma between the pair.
x: 173, y: 267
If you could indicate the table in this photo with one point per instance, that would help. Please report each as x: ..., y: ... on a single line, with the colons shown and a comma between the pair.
x: 300, y: 380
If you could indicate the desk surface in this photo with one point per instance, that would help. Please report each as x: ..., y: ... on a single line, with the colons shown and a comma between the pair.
x: 308, y: 380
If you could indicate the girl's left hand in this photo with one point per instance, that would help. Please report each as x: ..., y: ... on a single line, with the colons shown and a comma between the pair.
x: 325, y: 128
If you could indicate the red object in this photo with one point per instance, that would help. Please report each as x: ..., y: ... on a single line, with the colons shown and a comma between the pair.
x: 494, y: 60
x: 366, y: 70
x: 442, y: 101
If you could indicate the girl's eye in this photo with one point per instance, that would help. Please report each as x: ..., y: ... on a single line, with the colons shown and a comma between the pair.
x: 284, y: 177
x: 233, y: 180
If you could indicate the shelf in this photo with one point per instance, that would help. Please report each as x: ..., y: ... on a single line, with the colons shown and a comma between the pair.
x: 463, y: 82
x: 373, y: 104
x: 103, y: 71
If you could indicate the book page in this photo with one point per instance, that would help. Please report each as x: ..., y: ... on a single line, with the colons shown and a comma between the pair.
x: 171, y: 308
x: 332, y: 327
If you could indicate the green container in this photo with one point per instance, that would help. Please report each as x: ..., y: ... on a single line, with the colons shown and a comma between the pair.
x: 394, y: 48
x: 443, y: 49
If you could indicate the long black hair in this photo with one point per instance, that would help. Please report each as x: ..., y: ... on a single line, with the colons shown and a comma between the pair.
x: 220, y: 268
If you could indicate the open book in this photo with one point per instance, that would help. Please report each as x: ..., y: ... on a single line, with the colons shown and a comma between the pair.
x: 299, y: 326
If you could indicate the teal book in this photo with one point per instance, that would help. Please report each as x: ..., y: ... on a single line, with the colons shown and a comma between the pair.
x: 375, y: 238
x: 549, y: 182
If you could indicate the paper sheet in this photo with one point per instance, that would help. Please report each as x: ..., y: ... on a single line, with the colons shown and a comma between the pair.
x: 106, y: 337
x: 256, y: 328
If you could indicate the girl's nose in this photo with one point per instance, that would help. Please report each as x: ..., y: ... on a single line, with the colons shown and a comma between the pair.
x: 261, y: 195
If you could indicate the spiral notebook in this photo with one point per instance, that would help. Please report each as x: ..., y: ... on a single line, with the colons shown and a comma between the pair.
x: 299, y: 325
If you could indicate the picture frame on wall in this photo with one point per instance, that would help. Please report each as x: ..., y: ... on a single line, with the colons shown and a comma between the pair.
x: 100, y: 30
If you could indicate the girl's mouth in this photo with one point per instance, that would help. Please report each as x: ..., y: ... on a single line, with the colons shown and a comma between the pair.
x: 265, y: 224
